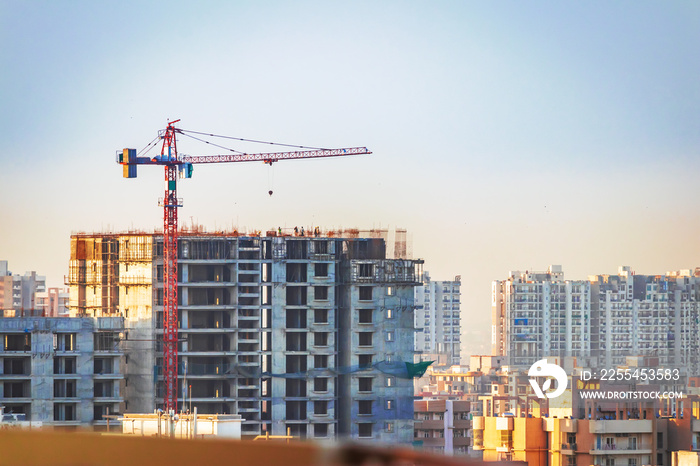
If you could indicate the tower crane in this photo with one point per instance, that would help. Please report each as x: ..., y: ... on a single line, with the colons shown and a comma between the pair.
x: 182, y: 165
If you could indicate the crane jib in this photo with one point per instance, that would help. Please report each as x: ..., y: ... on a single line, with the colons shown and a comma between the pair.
x: 274, y: 156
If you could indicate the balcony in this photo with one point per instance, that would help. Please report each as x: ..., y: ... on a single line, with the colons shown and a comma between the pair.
x: 565, y: 425
x: 568, y: 448
x: 630, y: 426
x: 433, y: 424
x: 619, y: 450
x: 461, y: 441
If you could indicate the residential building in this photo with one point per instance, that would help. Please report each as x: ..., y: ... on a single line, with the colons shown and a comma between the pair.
x: 18, y: 292
x: 611, y: 438
x: 443, y: 426
x: 310, y: 334
x: 600, y: 321
x: 538, y: 314
x: 594, y: 422
x: 437, y: 322
x: 52, y: 303
x: 648, y: 315
x: 62, y: 372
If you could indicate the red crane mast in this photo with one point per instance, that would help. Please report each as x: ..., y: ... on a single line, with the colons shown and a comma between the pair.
x: 175, y: 165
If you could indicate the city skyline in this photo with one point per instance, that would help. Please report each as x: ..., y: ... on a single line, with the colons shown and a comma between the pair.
x: 504, y: 136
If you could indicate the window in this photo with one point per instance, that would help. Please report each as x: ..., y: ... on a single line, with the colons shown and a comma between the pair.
x: 366, y: 270
x: 659, y: 460
x: 365, y: 338
x: 389, y: 336
x: 321, y: 384
x: 321, y: 247
x: 320, y: 361
x: 365, y: 407
x: 365, y: 360
x: 320, y: 408
x: 320, y: 430
x: 365, y: 293
x: 295, y: 364
x: 390, y: 291
x: 64, y: 389
x: 296, y: 318
x: 365, y: 384
x: 63, y: 412
x: 390, y: 381
x: 104, y: 389
x: 321, y: 270
x: 16, y: 390
x: 101, y: 366
x: 296, y: 341
x: 295, y: 387
x: 18, y: 366
x: 296, y: 410
x: 100, y: 410
x: 389, y: 427
x: 364, y: 429
x: 321, y: 293
x: 103, y: 341
x: 389, y: 313
x: 321, y: 339
x: 365, y: 316
x: 389, y: 404
x: 660, y: 440
x: 65, y: 365
x: 320, y: 316
x: 18, y: 342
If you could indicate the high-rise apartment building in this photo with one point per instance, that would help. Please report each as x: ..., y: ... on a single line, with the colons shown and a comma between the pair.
x: 437, y: 321
x: 655, y: 315
x: 538, y: 314
x: 600, y: 321
x: 311, y: 334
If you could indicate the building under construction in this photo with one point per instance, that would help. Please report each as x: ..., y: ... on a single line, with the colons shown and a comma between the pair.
x: 308, y: 333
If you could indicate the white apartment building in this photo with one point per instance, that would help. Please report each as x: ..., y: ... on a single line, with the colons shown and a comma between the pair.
x: 600, y: 321
x: 437, y: 320
x: 537, y: 314
x: 655, y: 315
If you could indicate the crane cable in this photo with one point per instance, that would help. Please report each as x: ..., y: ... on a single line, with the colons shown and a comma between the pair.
x: 212, y: 144
x: 149, y: 146
x: 183, y: 131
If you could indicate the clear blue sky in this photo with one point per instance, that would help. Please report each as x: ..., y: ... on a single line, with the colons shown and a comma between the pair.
x: 506, y: 135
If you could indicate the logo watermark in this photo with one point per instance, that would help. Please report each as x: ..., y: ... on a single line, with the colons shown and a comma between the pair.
x: 630, y: 395
x: 553, y: 372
